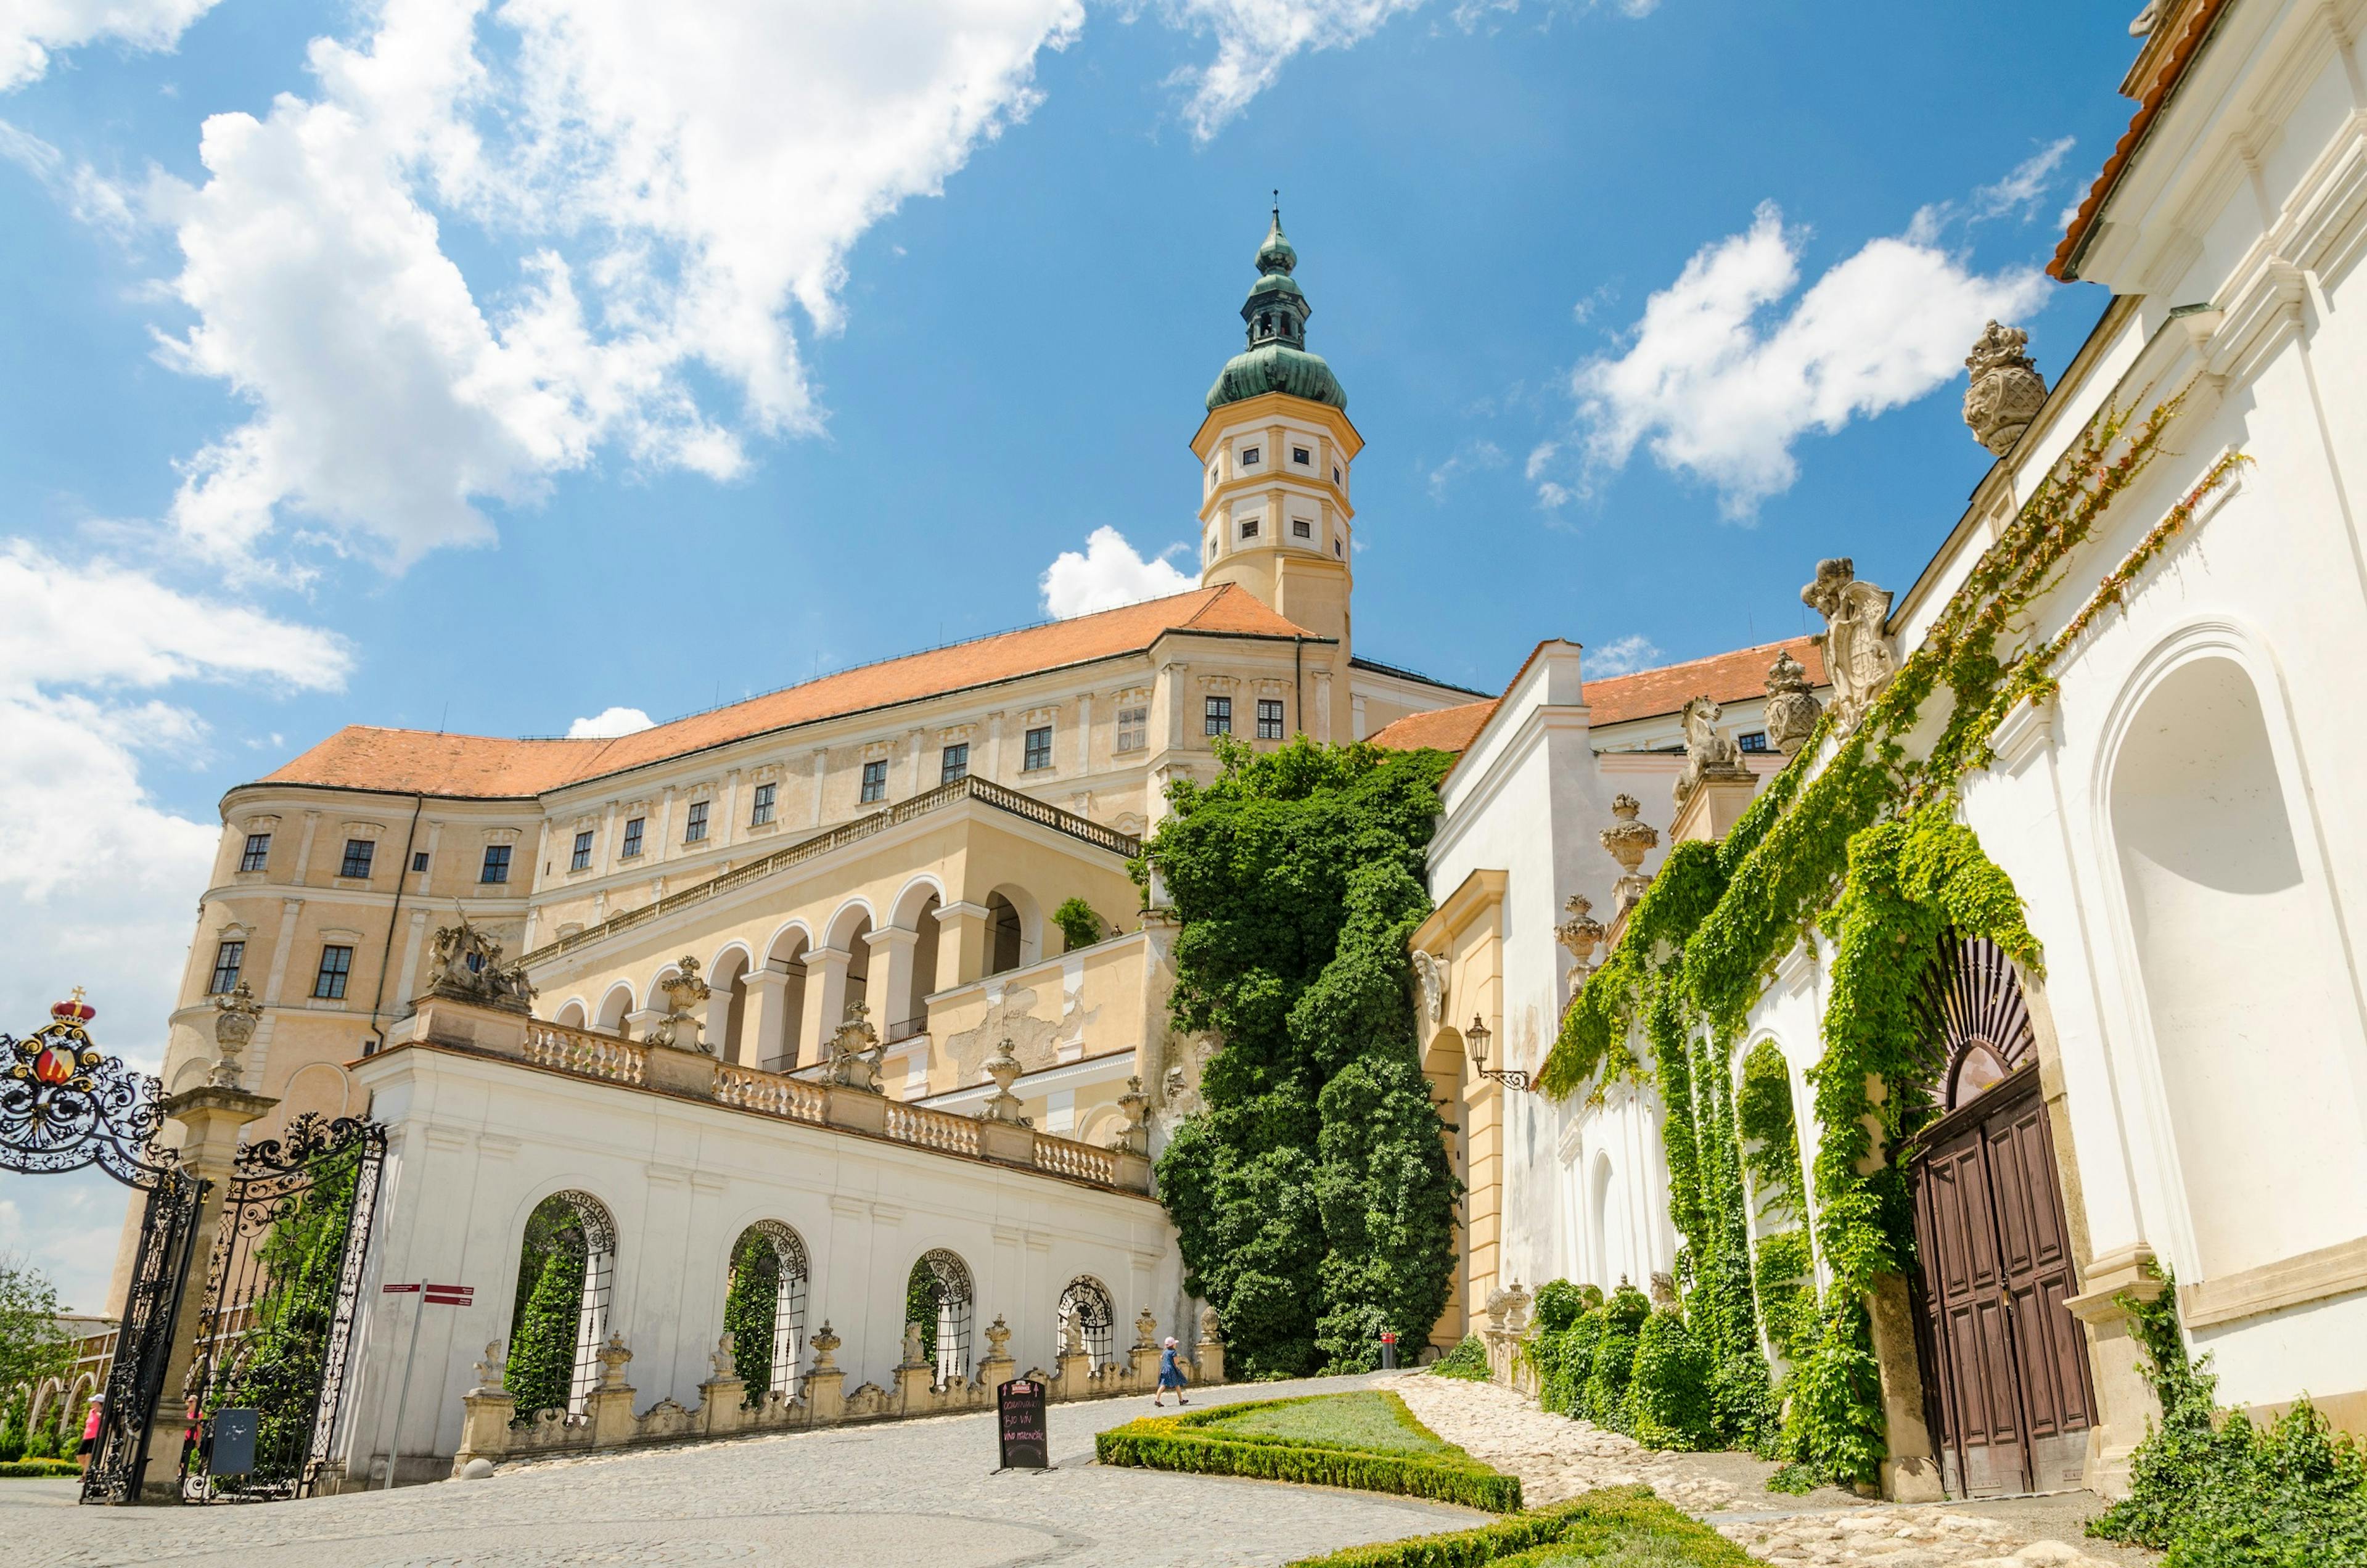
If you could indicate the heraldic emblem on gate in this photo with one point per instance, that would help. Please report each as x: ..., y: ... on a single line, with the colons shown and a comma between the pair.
x: 274, y: 1325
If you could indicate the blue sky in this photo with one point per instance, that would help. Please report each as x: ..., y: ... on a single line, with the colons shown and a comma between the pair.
x: 490, y: 367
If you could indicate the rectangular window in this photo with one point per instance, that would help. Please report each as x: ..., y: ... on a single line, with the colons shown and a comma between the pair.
x: 581, y: 860
x: 694, y: 826
x: 1133, y: 728
x: 1755, y: 741
x: 1269, y: 718
x: 633, y: 838
x: 336, y: 963
x: 953, y: 763
x: 1301, y: 527
x: 766, y: 794
x: 1335, y: 473
x: 419, y: 862
x: 1338, y: 552
x: 1218, y: 716
x: 875, y: 781
x: 227, y: 959
x: 1039, y: 749
x: 497, y: 864
x: 1249, y: 527
x: 1301, y: 456
x: 257, y: 853
x: 359, y: 853
x: 1249, y: 457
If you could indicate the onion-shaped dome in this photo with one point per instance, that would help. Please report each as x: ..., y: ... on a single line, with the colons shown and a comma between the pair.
x: 1276, y: 313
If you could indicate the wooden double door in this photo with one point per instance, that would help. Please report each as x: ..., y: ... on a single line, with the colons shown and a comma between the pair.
x: 2005, y: 1365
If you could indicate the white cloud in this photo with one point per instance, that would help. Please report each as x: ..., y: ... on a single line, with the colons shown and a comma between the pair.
x: 1255, y: 39
x: 1623, y: 655
x: 1108, y: 573
x: 1719, y: 392
x: 32, y: 31
x: 665, y: 185
x: 608, y: 722
x: 98, y: 879
x: 1471, y: 455
x: 2022, y: 190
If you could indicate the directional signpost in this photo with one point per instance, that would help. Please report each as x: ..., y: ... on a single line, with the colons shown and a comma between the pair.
x: 1026, y: 1441
x: 429, y: 1296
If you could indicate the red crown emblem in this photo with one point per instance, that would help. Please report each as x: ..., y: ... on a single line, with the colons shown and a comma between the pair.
x: 76, y: 1010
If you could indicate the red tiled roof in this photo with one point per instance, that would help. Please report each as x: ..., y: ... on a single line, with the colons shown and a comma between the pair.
x: 1615, y: 699
x: 362, y: 757
x: 2173, y: 70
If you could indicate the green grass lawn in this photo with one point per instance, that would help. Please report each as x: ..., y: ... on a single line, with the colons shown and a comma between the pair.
x: 1372, y: 1423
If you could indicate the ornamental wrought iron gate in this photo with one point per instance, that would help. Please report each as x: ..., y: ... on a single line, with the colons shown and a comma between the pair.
x: 64, y: 1106
x: 2006, y: 1382
x: 274, y: 1328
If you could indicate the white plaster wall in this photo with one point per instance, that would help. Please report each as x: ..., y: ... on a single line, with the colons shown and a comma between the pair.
x: 476, y: 1144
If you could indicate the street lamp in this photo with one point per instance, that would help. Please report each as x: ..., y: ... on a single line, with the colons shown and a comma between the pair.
x: 1477, y: 1038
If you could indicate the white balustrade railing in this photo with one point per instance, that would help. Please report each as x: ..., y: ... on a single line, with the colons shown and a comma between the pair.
x: 585, y: 1053
x: 1066, y: 1156
x: 746, y: 1089
x: 933, y: 1129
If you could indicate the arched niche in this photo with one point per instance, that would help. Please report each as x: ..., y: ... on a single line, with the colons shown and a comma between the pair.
x: 566, y: 1282
x: 764, y: 1308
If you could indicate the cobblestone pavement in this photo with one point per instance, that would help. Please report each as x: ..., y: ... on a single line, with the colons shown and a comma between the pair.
x: 917, y: 1493
x: 1558, y: 1458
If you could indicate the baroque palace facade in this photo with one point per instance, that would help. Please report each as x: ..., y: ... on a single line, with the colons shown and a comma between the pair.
x: 791, y: 969
x: 2166, y: 1072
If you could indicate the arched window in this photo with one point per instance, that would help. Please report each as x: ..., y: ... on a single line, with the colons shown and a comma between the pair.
x: 1004, y: 933
x: 937, y: 1296
x: 567, y: 1272
x: 1088, y: 1320
x: 764, y: 1308
x: 1977, y: 1019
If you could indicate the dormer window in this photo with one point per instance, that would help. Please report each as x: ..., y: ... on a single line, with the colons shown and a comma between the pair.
x: 1249, y: 457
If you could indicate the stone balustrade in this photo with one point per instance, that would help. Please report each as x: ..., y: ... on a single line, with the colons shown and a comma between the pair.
x: 493, y: 1429
x: 650, y: 1067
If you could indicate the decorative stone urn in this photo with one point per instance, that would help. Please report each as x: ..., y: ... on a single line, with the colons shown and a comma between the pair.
x: 1792, y: 710
x: 1133, y: 1133
x: 1628, y: 842
x: 2006, y: 391
x: 684, y: 990
x: 823, y: 1344
x: 1004, y: 1069
x: 235, y: 1017
x: 1581, y: 934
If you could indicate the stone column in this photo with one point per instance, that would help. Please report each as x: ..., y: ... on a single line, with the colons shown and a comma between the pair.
x: 211, y: 1120
x: 610, y: 1406
x: 915, y: 1374
x: 825, y: 993
x: 825, y: 1385
x: 994, y: 1369
x: 1909, y: 1471
x: 1211, y: 1359
x: 1144, y: 1353
x: 719, y: 1397
x: 890, y: 988
x: 820, y: 779
x: 765, y: 1020
x: 962, y: 933
x: 487, y: 1411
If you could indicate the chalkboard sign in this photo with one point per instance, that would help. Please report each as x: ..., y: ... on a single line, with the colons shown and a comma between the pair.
x: 1026, y: 1443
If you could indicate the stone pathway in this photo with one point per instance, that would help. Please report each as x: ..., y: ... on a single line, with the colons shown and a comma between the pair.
x: 1558, y: 1458
x: 912, y: 1492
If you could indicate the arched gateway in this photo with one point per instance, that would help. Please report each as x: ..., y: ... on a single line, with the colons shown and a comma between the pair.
x: 2005, y: 1366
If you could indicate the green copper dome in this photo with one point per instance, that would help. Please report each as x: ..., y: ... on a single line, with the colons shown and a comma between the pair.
x: 1277, y: 359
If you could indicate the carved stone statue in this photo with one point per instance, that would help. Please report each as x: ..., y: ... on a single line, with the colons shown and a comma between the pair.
x: 1791, y: 708
x: 1581, y: 934
x: 491, y: 1370
x: 1004, y: 1069
x: 1072, y: 1337
x: 1208, y: 1326
x: 1858, y: 658
x: 1664, y: 1291
x: 1133, y: 1134
x: 683, y: 991
x: 913, y: 1357
x: 1430, y: 974
x: 853, y: 1052
x: 1629, y: 841
x: 719, y: 1361
x: 235, y: 1017
x: 1710, y: 752
x: 2006, y: 391
x: 466, y: 965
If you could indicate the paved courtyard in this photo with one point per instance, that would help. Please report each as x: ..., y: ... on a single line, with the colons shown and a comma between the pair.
x: 918, y: 1491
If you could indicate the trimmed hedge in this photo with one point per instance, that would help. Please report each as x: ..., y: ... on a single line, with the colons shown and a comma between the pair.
x: 1590, y: 1528
x: 27, y: 1470
x: 1183, y: 1443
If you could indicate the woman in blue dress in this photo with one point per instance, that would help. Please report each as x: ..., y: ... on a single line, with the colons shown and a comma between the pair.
x: 1171, y: 1376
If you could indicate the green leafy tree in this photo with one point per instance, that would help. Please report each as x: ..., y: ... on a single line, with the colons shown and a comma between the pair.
x: 12, y: 1432
x: 1079, y: 926
x: 1314, y: 1198
x: 34, y: 1346
x: 541, y: 1372
x: 748, y: 1309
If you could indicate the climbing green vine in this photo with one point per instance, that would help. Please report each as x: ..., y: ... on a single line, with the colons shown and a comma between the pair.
x: 1313, y: 1198
x: 1857, y: 837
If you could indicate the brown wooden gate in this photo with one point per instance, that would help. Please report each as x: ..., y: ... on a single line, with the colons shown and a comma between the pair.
x: 2005, y: 1363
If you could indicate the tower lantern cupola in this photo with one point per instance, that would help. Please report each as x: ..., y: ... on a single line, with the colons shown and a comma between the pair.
x: 1276, y: 313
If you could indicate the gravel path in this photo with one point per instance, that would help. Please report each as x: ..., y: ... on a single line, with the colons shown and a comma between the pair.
x: 1558, y: 1458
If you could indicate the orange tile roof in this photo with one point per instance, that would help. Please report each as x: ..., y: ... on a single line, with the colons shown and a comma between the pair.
x: 2173, y: 71
x: 362, y: 757
x: 1615, y: 699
